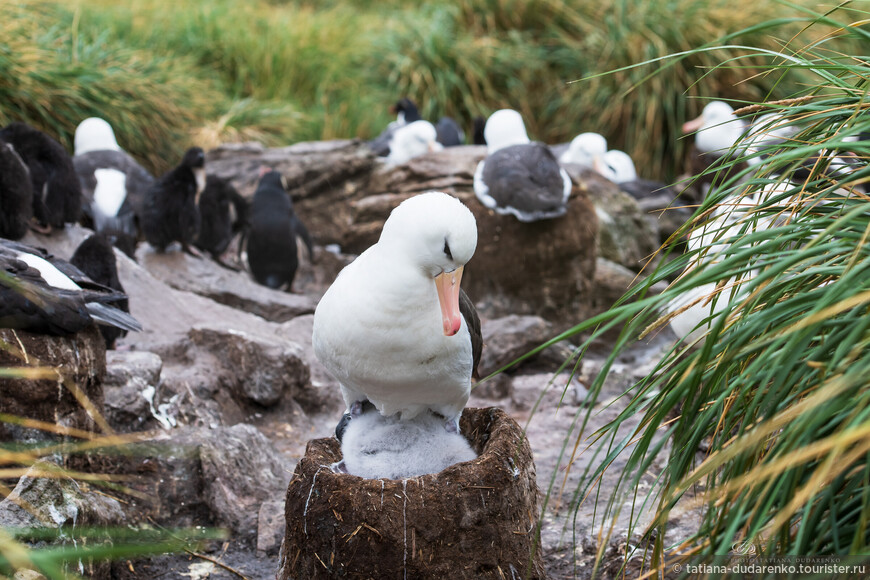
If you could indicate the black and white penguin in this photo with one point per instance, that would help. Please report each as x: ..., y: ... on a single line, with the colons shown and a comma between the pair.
x: 56, y: 190
x: 223, y: 213
x: 113, y: 183
x: 96, y: 258
x: 170, y: 213
x: 40, y: 293
x: 271, y: 243
x: 16, y: 194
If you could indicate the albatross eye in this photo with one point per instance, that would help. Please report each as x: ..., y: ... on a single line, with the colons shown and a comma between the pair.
x: 447, y: 251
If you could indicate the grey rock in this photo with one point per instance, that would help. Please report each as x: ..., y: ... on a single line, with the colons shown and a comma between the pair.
x: 240, y: 470
x: 131, y: 379
x: 234, y: 289
x: 201, y: 476
x: 510, y: 337
x: 270, y: 527
x: 612, y: 280
x: 256, y: 367
x: 57, y: 502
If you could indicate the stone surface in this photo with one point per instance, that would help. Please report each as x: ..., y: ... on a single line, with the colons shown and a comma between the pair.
x: 234, y: 289
x: 508, y: 338
x: 472, y: 520
x: 131, y: 376
x: 201, y: 476
x: 255, y: 367
x: 612, y: 280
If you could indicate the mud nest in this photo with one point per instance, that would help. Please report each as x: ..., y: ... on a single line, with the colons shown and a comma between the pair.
x: 475, y: 519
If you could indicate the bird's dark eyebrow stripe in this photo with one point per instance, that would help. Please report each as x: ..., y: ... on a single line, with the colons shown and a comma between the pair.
x: 447, y: 250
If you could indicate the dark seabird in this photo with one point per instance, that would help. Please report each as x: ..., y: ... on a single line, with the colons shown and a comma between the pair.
x: 223, y: 213
x: 477, y: 135
x: 519, y: 177
x: 113, y: 183
x: 406, y: 112
x: 16, y: 194
x: 618, y: 167
x: 170, y: 213
x: 394, y: 327
x: 274, y: 226
x: 40, y: 293
x: 56, y: 190
x: 96, y: 258
x: 449, y: 133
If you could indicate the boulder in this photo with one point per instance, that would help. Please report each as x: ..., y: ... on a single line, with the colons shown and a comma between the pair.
x: 132, y: 377
x: 475, y: 519
x: 57, y: 502
x: 197, y: 476
x: 510, y: 337
x: 79, y: 359
x: 234, y: 289
x: 613, y: 280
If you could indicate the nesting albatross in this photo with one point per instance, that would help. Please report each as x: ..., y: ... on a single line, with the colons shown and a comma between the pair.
x: 394, y: 328
x: 519, y: 177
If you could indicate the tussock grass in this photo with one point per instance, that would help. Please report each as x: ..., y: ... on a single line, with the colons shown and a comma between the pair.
x: 293, y: 71
x: 776, y: 394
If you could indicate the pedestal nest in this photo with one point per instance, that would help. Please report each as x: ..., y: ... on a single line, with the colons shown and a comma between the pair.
x: 472, y: 520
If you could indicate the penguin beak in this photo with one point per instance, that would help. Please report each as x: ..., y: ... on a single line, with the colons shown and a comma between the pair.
x: 447, y: 284
x: 693, y: 125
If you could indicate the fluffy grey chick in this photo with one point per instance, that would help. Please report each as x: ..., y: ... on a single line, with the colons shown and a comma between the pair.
x: 374, y: 446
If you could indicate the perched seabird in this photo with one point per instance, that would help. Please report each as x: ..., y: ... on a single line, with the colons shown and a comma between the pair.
x: 478, y: 125
x: 717, y: 129
x: 170, y: 213
x: 223, y: 214
x: 114, y: 185
x: 274, y: 226
x: 96, y: 258
x: 519, y: 177
x: 41, y: 293
x: 412, y: 140
x: 618, y: 167
x: 56, y: 190
x: 692, y: 311
x: 584, y: 149
x: 16, y: 194
x: 449, y: 133
x: 406, y: 112
x: 394, y: 328
x: 374, y: 446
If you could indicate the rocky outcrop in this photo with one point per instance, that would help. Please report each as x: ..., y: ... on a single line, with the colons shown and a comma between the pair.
x: 472, y: 520
x: 132, y: 378
x: 237, y: 290
x: 70, y: 377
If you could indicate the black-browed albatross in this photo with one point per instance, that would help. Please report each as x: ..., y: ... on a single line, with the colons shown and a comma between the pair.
x: 394, y: 328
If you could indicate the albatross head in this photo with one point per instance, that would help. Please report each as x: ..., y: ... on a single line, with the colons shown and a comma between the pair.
x: 584, y: 149
x: 95, y: 134
x: 504, y: 128
x: 438, y: 234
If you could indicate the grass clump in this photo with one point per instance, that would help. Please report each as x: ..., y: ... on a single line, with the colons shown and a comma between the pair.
x: 765, y: 421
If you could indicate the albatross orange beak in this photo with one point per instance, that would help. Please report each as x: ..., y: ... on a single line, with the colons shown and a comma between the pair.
x: 693, y: 125
x: 447, y: 284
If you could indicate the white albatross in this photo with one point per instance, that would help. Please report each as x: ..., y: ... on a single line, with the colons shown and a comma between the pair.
x: 394, y: 328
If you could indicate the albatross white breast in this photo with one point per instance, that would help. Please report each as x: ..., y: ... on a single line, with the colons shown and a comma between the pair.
x: 390, y: 328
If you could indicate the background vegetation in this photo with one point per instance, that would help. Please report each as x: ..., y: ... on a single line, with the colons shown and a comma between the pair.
x: 169, y: 74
